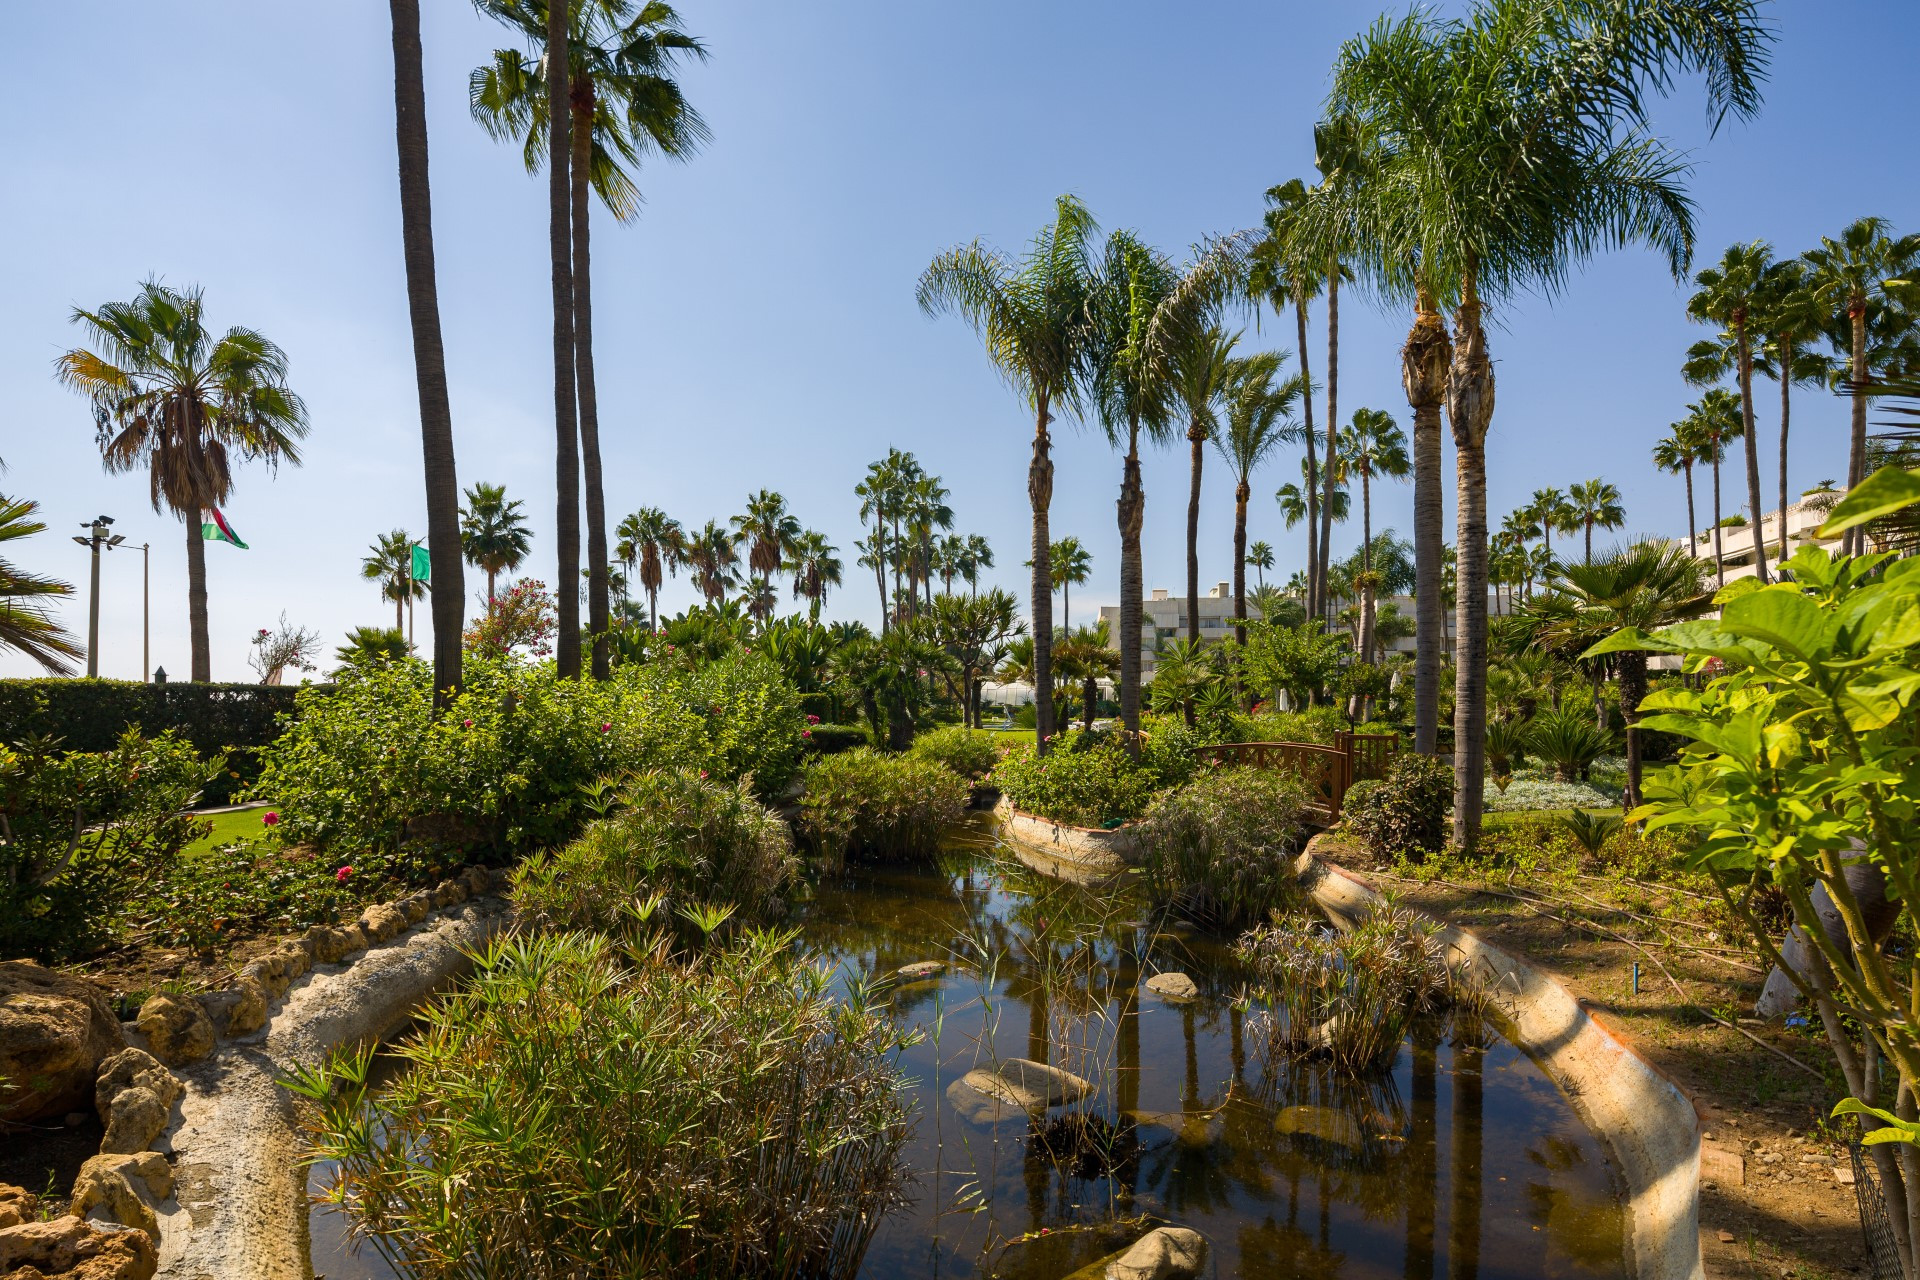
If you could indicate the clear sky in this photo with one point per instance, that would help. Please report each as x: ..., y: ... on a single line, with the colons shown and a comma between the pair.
x: 756, y: 327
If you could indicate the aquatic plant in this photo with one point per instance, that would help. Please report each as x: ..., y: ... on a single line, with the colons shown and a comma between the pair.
x: 1220, y: 850
x: 863, y: 802
x: 566, y: 1115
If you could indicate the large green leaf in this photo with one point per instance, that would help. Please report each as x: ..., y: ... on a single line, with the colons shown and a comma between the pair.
x: 1783, y: 618
x: 1887, y: 490
x: 1896, y: 1130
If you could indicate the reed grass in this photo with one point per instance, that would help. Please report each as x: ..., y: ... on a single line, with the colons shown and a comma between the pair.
x: 1220, y: 850
x: 882, y: 807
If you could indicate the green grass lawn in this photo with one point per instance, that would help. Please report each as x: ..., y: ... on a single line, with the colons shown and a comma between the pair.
x: 227, y: 828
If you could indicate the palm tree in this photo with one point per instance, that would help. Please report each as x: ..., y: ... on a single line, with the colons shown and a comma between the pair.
x: 949, y: 553
x: 1279, y: 277
x: 1296, y: 500
x: 1503, y: 148
x: 926, y: 512
x: 650, y: 541
x: 1790, y: 316
x: 1844, y: 276
x: 881, y: 494
x: 1257, y: 424
x: 1260, y: 556
x: 449, y: 587
x: 1031, y: 313
x: 1551, y: 514
x: 389, y: 562
x: 1676, y: 453
x: 1595, y: 502
x: 170, y: 398
x: 711, y: 555
x: 1519, y: 528
x: 494, y: 536
x: 1372, y: 445
x: 979, y: 555
x: 25, y: 624
x: 616, y: 102
x: 815, y: 567
x: 1715, y: 419
x: 1197, y: 374
x: 768, y: 533
x: 1072, y: 566
x: 1728, y: 296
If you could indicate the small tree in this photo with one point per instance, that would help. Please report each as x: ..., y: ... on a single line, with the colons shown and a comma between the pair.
x: 287, y: 647
x: 520, y: 618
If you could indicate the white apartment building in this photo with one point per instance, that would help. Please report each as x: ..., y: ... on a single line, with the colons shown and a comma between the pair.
x: 1736, y: 544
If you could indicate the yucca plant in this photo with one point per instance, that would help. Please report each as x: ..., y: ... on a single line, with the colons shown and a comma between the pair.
x: 567, y: 1115
x: 1568, y: 741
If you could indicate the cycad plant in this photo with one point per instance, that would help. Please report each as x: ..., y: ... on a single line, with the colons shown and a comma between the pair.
x: 1568, y: 740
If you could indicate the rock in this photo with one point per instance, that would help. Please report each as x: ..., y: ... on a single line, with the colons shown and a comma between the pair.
x: 330, y: 945
x: 17, y: 1205
x: 1173, y: 986
x: 136, y: 1118
x: 123, y: 1190
x: 1161, y: 1254
x: 1324, y: 1124
x: 382, y: 922
x: 918, y: 970
x: 177, y: 1028
x: 1196, y: 1129
x: 449, y: 893
x: 54, y: 1032
x: 73, y: 1249
x: 1028, y: 1085
x: 414, y: 907
x: 131, y: 1067
x: 479, y: 880
x: 241, y: 1010
x: 1722, y: 1165
x: 979, y: 1108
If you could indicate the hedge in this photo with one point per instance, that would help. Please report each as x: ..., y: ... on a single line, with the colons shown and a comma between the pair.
x: 90, y: 715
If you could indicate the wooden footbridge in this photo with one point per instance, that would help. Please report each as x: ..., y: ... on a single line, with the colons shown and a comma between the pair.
x: 1326, y: 772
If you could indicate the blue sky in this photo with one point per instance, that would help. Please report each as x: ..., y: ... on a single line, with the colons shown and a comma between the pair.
x: 756, y: 326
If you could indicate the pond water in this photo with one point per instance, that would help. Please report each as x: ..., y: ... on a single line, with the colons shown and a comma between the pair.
x: 1463, y: 1160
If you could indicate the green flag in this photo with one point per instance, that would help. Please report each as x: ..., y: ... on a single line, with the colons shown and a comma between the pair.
x: 422, y: 564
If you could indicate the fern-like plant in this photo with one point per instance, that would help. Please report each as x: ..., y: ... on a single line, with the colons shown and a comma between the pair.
x: 1568, y: 741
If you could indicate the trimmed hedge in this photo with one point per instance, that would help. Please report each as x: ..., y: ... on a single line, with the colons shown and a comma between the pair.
x: 91, y: 715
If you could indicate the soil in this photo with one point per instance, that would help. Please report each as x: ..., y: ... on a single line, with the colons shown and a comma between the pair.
x: 1776, y: 1197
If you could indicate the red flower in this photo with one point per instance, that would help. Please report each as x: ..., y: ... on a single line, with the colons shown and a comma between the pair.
x: 813, y: 719
x: 342, y: 874
x: 806, y: 733
x: 703, y: 773
x: 606, y: 727
x: 466, y: 724
x: 271, y: 818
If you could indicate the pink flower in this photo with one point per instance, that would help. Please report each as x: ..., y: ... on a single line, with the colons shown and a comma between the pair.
x: 806, y: 733
x: 669, y: 648
x: 342, y: 874
x: 606, y: 727
x: 703, y: 773
x: 466, y: 724
x: 813, y: 719
x: 271, y: 818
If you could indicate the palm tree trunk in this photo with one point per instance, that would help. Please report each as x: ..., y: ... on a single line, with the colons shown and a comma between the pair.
x: 1040, y: 495
x: 598, y: 616
x: 400, y: 586
x: 1719, y: 564
x: 1241, y: 493
x: 1853, y: 542
x: 1333, y: 419
x: 489, y: 588
x: 1693, y: 523
x: 1752, y: 451
x: 566, y: 427
x: 197, y: 599
x: 1423, y: 374
x: 1066, y: 605
x: 1633, y: 687
x: 1786, y: 412
x: 1589, y: 553
x: 1315, y: 578
x: 1465, y: 1135
x: 1470, y: 407
x: 653, y: 608
x: 1196, y: 438
x: 1366, y: 560
x: 449, y: 586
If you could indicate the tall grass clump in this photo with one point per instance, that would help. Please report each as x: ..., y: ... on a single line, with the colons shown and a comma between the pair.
x: 970, y: 754
x: 675, y: 840
x: 884, y: 807
x: 567, y: 1115
x: 1346, y: 997
x: 1220, y: 850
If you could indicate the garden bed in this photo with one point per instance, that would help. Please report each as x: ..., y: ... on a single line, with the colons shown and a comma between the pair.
x: 1104, y: 851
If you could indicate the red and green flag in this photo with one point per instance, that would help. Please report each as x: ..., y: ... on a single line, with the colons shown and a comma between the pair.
x: 214, y: 528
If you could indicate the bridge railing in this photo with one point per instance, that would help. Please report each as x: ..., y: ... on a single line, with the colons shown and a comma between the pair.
x: 1326, y: 772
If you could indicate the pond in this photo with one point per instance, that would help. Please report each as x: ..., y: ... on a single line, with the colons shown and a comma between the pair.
x: 1462, y: 1160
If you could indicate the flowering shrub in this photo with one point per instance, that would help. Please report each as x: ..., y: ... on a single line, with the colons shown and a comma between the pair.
x: 884, y: 806
x: 1089, y: 779
x: 519, y: 619
x: 969, y: 754
x: 1404, y: 812
x: 1220, y: 850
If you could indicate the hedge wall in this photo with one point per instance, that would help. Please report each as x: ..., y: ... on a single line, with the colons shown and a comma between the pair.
x: 90, y: 715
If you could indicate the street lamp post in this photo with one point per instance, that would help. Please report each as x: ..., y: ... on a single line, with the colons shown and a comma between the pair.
x: 146, y: 596
x: 95, y: 539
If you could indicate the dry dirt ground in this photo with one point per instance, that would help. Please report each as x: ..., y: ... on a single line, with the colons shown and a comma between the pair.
x: 1776, y: 1196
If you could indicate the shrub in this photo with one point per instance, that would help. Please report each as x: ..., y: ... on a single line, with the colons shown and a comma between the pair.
x: 86, y: 830
x: 828, y: 739
x: 1404, y: 812
x: 1220, y: 850
x: 1568, y: 740
x: 882, y: 806
x: 679, y: 842
x: 1090, y: 780
x: 565, y: 1115
x: 502, y: 769
x: 1316, y: 725
x: 969, y: 754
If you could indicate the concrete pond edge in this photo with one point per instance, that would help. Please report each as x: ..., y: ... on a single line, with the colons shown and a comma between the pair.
x: 1649, y: 1125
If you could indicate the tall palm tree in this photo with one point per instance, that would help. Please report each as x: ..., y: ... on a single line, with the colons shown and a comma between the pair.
x: 1260, y: 556
x: 1258, y: 422
x: 1595, y: 502
x: 1031, y: 313
x: 1675, y: 454
x: 1503, y: 148
x: 1715, y: 419
x: 1519, y: 528
x: 617, y: 102
x: 815, y: 567
x: 650, y: 542
x: 1281, y: 278
x: 494, y: 536
x: 882, y: 493
x: 1372, y: 444
x: 1867, y: 263
x: 767, y: 531
x: 449, y: 587
x: 1297, y: 499
x: 25, y: 624
x: 1197, y: 375
x: 389, y: 562
x: 1551, y: 514
x: 711, y: 554
x: 1791, y: 317
x: 172, y: 399
x: 1728, y: 296
x: 927, y: 514
x: 1072, y: 566
x: 979, y: 555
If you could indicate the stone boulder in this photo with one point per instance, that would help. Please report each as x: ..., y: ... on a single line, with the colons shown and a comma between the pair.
x: 1322, y: 1124
x: 331, y: 945
x: 17, y: 1205
x: 177, y: 1028
x: 123, y: 1190
x: 1026, y: 1084
x: 135, y: 1097
x: 1161, y: 1254
x: 382, y: 922
x: 919, y: 971
x: 1176, y: 987
x: 71, y: 1248
x: 54, y: 1032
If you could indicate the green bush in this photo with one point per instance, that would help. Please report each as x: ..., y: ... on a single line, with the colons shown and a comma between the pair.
x: 828, y: 739
x: 1316, y: 725
x: 1404, y: 812
x: 881, y: 806
x: 1220, y: 850
x: 1569, y: 740
x: 84, y: 831
x: 969, y: 754
x: 679, y: 839
x: 503, y: 768
x: 567, y: 1114
x: 1089, y: 779
x: 91, y: 715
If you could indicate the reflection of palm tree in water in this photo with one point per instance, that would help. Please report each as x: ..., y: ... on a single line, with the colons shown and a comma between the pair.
x: 1463, y: 1242
x: 1422, y: 1153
